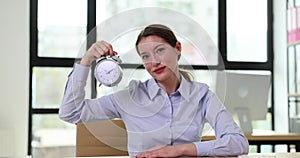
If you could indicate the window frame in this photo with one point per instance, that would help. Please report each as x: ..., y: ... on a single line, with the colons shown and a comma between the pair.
x: 36, y: 61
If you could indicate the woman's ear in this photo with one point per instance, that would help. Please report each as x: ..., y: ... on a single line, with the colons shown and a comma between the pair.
x: 178, y: 46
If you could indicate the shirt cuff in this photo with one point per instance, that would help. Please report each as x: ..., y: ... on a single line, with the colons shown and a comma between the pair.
x: 80, y: 73
x: 204, y: 148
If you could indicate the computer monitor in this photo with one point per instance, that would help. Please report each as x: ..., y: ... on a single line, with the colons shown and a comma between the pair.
x: 245, y: 95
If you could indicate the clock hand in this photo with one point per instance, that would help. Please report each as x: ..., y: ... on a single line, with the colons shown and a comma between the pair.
x: 104, y: 70
x: 107, y: 72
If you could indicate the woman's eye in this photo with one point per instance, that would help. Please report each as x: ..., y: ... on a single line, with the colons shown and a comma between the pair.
x: 158, y: 50
x: 144, y: 57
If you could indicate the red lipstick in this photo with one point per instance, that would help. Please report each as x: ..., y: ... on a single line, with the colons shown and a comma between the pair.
x: 159, y: 70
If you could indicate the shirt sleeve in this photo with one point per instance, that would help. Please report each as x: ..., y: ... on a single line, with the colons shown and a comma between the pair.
x: 75, y: 108
x: 230, y: 140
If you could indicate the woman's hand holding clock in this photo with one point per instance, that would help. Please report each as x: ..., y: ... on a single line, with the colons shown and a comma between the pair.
x: 107, y: 70
x: 98, y: 49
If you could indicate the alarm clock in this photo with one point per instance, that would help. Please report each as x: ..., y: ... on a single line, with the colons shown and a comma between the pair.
x: 108, y: 71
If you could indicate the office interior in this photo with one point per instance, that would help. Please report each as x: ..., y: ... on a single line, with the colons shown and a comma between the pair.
x: 23, y: 123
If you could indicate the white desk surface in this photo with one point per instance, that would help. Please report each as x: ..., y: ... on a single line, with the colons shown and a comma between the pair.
x: 271, y: 155
x: 250, y: 155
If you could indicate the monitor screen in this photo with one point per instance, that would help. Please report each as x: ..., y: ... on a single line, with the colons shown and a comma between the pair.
x: 244, y: 90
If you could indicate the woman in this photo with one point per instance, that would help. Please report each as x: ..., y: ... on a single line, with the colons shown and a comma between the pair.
x: 164, y: 115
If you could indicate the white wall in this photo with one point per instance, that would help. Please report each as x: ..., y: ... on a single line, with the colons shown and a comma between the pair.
x: 14, y: 59
x: 280, y: 67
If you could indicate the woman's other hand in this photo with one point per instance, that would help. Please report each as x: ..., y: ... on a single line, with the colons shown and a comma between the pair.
x: 170, y: 151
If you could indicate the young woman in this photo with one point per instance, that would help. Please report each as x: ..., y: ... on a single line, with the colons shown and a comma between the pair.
x: 164, y: 115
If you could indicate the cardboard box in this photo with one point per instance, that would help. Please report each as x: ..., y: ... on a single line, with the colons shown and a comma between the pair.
x: 104, y: 138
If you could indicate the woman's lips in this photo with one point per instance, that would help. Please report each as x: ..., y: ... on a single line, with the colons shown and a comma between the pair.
x: 159, y: 70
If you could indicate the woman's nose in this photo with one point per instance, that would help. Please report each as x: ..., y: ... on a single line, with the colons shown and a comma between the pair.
x: 156, y: 59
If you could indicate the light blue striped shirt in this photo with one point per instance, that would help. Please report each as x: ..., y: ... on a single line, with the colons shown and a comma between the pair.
x: 152, y: 117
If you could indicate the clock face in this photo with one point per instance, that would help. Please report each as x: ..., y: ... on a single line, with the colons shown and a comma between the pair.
x: 108, y: 72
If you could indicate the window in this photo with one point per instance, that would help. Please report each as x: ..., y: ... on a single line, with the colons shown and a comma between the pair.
x: 60, y: 31
x: 205, y: 14
x: 247, y: 30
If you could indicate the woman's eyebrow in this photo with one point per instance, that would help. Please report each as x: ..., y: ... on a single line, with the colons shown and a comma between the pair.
x: 155, y: 47
x: 142, y: 53
x: 158, y: 45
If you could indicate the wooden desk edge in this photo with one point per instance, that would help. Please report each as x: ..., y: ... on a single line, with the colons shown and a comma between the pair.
x: 275, y: 137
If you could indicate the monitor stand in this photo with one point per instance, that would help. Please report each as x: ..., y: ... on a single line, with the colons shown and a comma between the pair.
x: 245, y: 120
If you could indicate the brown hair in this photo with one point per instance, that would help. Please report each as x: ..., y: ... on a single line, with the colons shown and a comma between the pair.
x: 167, y: 34
x: 158, y: 30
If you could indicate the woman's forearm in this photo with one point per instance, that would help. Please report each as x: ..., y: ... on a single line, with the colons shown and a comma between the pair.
x: 187, y: 149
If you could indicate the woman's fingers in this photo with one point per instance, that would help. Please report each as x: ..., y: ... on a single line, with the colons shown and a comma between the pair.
x: 108, y: 48
x: 98, y: 49
x: 104, y: 48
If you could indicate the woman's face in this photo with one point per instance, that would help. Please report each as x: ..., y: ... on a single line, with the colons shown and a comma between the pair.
x: 159, y: 57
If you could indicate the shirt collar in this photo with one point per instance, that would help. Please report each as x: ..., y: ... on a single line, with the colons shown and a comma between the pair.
x: 184, y: 88
x: 153, y: 88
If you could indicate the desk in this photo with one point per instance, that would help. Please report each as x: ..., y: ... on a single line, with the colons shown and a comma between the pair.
x: 90, y: 144
x: 271, y: 155
x: 251, y: 155
x: 261, y: 137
